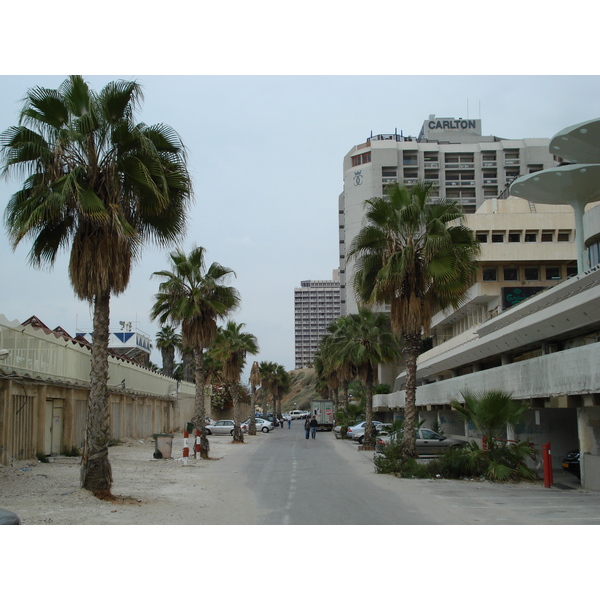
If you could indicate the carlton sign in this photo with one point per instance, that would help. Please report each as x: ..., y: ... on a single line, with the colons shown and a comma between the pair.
x: 454, y: 124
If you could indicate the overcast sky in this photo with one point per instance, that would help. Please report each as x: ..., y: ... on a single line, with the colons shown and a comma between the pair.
x: 265, y: 154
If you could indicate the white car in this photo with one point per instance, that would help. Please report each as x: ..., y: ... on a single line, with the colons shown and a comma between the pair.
x: 224, y: 427
x: 261, y: 425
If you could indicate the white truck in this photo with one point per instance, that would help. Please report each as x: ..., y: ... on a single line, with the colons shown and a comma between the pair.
x: 323, y: 411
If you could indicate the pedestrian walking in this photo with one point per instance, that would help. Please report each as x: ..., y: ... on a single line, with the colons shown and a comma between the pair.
x: 289, y: 420
x: 313, y: 427
x: 307, y: 427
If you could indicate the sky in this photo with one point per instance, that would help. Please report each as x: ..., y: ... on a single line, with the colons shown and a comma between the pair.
x: 265, y: 154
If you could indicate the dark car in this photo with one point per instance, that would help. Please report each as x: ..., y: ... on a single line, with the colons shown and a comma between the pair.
x: 9, y: 518
x: 571, y: 463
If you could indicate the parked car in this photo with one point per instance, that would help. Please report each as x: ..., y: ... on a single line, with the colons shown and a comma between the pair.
x: 9, y: 518
x: 357, y: 432
x: 428, y: 442
x: 571, y: 463
x: 223, y: 427
x: 261, y: 425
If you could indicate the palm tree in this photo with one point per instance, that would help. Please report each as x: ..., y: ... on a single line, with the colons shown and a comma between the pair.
x: 366, y: 341
x: 195, y: 297
x: 490, y: 412
x: 102, y: 186
x: 417, y: 256
x: 281, y: 386
x: 254, y: 381
x: 167, y: 340
x: 231, y: 347
x: 267, y: 371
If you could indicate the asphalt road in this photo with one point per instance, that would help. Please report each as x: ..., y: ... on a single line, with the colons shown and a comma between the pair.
x: 327, y: 481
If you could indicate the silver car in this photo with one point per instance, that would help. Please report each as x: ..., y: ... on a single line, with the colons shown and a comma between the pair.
x: 261, y: 425
x: 357, y: 432
x: 428, y: 442
x: 223, y: 427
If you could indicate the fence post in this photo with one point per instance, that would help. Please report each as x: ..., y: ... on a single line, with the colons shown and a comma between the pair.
x: 186, y: 450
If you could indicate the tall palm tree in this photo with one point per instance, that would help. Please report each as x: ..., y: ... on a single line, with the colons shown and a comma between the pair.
x: 417, y: 256
x: 254, y: 381
x: 102, y: 186
x: 167, y: 340
x: 366, y: 341
x: 194, y: 297
x: 230, y: 347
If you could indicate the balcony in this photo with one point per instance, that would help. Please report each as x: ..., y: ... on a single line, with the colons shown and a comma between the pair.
x: 432, y: 165
x: 461, y: 183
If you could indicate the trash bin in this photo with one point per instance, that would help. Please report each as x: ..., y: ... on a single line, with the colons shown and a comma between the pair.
x: 163, y: 445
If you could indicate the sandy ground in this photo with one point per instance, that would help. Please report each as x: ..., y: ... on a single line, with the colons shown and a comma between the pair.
x: 149, y: 491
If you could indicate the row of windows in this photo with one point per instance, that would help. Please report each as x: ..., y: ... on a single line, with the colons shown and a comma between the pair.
x: 527, y: 273
x: 514, y: 237
x: 361, y: 159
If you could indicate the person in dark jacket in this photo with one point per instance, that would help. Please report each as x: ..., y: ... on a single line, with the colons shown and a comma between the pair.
x: 307, y: 427
x: 313, y: 427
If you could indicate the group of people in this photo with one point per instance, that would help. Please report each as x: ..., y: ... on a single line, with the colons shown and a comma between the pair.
x: 310, y: 427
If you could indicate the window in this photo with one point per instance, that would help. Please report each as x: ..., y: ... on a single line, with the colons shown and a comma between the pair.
x: 571, y: 270
x: 482, y: 237
x: 497, y: 237
x: 563, y: 236
x: 489, y: 274
x: 552, y: 273
x: 511, y: 274
x: 531, y: 236
x: 547, y: 236
x: 514, y: 236
x: 531, y: 273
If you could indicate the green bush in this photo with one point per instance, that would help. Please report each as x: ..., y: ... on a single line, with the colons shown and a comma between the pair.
x: 73, y: 451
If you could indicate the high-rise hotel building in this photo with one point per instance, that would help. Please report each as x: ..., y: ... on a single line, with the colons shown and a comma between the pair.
x: 316, y: 304
x: 450, y: 153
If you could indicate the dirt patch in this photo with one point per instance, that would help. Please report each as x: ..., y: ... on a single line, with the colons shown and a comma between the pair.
x: 147, y: 491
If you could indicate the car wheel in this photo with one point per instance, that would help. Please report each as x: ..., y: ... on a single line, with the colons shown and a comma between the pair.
x: 231, y: 432
x: 361, y: 439
x: 208, y: 432
x: 265, y: 430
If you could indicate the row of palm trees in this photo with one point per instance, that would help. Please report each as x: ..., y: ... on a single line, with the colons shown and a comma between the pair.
x: 353, y: 350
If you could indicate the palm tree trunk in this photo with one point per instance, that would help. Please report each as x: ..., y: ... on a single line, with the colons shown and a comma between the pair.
x: 368, y: 440
x: 346, y: 387
x: 96, y: 472
x: 199, y: 410
x: 252, y: 428
x: 411, y: 353
x: 238, y: 436
x: 168, y: 358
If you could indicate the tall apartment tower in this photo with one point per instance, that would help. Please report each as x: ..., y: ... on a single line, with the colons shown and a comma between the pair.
x: 450, y: 153
x: 316, y: 304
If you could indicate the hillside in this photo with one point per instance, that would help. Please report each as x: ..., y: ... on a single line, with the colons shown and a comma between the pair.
x: 302, y: 391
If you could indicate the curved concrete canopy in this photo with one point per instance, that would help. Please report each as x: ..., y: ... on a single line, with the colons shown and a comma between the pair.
x: 578, y: 143
x: 576, y: 185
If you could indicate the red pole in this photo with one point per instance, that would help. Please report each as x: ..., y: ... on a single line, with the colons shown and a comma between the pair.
x: 547, y: 460
x: 186, y: 450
